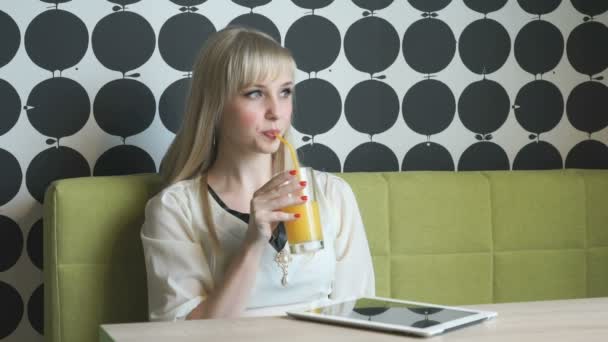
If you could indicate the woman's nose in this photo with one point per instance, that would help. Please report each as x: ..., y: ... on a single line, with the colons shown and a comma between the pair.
x: 272, y: 106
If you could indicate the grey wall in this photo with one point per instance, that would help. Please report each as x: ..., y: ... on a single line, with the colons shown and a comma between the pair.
x: 96, y: 88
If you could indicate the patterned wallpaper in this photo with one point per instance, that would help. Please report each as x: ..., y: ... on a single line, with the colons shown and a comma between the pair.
x: 96, y: 87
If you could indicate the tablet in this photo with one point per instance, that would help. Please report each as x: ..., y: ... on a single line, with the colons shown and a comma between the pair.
x: 386, y: 314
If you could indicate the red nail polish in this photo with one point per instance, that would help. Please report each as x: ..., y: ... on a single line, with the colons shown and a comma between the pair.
x: 304, y: 198
x: 297, y: 215
x: 303, y: 183
x: 292, y: 172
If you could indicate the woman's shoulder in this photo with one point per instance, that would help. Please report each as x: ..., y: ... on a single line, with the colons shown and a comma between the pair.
x: 331, y: 183
x: 329, y: 177
x: 183, y: 186
x: 168, y: 214
x: 179, y: 193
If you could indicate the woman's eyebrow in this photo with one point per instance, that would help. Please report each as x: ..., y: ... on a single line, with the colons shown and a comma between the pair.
x: 289, y: 83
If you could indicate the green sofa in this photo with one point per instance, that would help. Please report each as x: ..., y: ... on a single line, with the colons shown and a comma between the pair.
x: 445, y: 237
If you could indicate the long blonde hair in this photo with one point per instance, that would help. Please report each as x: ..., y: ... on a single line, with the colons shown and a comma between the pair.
x: 230, y: 60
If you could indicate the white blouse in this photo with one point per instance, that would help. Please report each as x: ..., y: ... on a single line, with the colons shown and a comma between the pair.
x: 182, y: 270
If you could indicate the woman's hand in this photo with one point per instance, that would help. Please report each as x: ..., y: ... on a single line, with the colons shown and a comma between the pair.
x: 283, y: 190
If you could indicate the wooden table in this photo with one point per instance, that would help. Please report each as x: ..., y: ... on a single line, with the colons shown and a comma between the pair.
x: 560, y: 320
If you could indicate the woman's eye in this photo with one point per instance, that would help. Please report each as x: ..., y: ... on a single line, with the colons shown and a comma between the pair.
x: 286, y: 92
x: 254, y: 94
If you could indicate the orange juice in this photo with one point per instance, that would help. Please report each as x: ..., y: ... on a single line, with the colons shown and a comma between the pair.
x: 304, y: 234
x: 308, y: 227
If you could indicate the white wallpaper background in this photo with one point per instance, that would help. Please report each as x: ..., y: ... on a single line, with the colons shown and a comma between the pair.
x: 96, y: 88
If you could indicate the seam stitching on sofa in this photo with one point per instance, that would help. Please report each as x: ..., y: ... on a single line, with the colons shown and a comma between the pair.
x: 492, y: 251
x: 540, y: 250
x: 498, y: 252
x: 586, y: 234
x: 56, y: 262
x: 414, y: 254
x: 390, y: 254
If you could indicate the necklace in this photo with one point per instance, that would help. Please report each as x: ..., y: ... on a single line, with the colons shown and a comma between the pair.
x: 283, y: 258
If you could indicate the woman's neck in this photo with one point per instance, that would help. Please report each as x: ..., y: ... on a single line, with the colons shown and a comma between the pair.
x: 232, y: 172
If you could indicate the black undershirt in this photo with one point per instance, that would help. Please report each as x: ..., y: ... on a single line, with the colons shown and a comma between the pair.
x: 278, y: 238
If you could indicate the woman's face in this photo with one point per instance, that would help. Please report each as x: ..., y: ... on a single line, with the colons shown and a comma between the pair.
x: 256, y: 113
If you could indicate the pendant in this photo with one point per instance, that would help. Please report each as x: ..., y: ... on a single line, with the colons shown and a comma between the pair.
x: 283, y: 259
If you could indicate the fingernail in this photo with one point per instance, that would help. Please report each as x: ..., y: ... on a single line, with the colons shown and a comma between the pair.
x: 303, y: 183
x: 297, y: 215
x: 292, y: 172
x: 304, y: 198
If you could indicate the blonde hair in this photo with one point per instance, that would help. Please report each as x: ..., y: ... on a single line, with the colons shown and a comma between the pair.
x: 230, y: 60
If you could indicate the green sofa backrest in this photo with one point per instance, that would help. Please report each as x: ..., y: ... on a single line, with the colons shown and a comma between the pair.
x: 445, y: 237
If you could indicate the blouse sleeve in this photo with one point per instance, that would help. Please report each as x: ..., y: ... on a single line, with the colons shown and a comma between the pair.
x: 178, y: 272
x: 354, y: 269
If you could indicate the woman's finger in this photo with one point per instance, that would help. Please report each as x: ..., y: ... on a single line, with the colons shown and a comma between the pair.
x: 276, y: 216
x: 284, y: 201
x: 292, y: 188
x: 276, y: 181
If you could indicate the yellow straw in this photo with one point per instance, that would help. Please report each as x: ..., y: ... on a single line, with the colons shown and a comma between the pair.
x: 291, y: 151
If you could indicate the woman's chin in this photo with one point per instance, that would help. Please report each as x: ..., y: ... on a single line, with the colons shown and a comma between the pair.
x: 271, y: 149
x: 268, y: 147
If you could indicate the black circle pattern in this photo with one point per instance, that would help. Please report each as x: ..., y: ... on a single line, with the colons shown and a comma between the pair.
x: 259, y: 22
x: 483, y: 156
x: 11, y: 179
x: 319, y: 157
x: 429, y: 5
x: 539, y: 47
x: 34, y: 244
x: 484, y: 46
x: 429, y: 107
x: 312, y: 4
x: 539, y: 106
x: 371, y: 157
x: 485, y: 6
x: 179, y: 49
x: 586, y: 55
x: 429, y: 45
x: 371, y: 107
x: 350, y: 71
x: 588, y: 154
x: 371, y: 44
x: 428, y: 156
x: 53, y: 164
x: 124, y: 107
x: 56, y: 40
x: 123, y: 41
x: 124, y: 160
x: 587, y: 105
x: 58, y: 107
x: 318, y: 107
x: 11, y: 310
x: 11, y: 106
x: 318, y: 54
x: 590, y: 7
x: 538, y: 155
x: 373, y: 5
x: 11, y: 243
x: 483, y: 106
x: 10, y: 39
x: 539, y: 7
x: 35, y: 313
x: 171, y: 105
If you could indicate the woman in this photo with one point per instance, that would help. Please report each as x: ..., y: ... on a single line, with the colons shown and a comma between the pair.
x: 206, y: 234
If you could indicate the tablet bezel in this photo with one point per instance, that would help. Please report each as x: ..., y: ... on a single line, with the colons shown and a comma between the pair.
x: 476, y: 317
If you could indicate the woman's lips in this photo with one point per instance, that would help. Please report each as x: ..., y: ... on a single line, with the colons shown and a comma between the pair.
x: 271, y: 134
